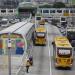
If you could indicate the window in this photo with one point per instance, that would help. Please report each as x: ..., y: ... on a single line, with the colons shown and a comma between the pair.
x: 74, y: 11
x: 3, y: 11
x: 59, y: 11
x: 40, y: 34
x: 64, y: 52
x: 62, y: 19
x: 52, y: 11
x: 45, y: 11
x: 3, y: 22
x: 38, y: 18
x: 11, y: 11
x: 66, y: 11
x: 71, y: 11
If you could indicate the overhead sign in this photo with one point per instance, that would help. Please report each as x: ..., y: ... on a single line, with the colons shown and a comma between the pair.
x: 9, y: 43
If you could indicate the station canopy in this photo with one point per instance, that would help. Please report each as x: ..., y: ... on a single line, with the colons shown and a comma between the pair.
x: 28, y: 5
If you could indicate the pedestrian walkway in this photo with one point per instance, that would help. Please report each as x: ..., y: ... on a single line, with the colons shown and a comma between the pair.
x: 15, y: 62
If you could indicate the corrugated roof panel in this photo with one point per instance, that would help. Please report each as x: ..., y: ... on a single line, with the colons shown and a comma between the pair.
x: 13, y: 27
x: 23, y: 30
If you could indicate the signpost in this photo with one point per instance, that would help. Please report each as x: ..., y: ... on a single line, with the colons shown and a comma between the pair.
x: 9, y: 54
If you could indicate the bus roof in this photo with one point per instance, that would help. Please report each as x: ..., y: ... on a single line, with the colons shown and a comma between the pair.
x: 61, y: 41
x: 41, y: 29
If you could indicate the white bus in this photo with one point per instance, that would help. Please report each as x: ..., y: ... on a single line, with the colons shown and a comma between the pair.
x: 4, y: 22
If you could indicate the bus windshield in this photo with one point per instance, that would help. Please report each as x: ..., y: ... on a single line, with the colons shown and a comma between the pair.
x: 64, y: 52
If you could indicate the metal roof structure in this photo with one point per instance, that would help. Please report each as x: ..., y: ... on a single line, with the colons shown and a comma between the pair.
x: 27, y: 5
x: 13, y: 28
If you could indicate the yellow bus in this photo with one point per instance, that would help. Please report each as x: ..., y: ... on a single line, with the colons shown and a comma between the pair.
x: 63, y: 52
x: 40, y: 36
x: 42, y: 22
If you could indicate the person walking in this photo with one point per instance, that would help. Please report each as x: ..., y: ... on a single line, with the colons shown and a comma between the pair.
x: 27, y: 65
x: 31, y: 59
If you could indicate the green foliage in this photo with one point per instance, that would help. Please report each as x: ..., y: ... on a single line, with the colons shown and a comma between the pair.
x: 45, y: 6
x: 59, y: 5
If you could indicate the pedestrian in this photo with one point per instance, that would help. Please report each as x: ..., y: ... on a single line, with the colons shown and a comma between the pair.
x: 31, y: 59
x: 27, y: 65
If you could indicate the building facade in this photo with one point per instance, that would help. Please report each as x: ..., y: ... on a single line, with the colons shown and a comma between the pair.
x: 51, y: 1
x: 14, y: 3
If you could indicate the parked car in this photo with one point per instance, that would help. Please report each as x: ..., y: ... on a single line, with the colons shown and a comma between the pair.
x: 4, y: 22
x: 13, y: 21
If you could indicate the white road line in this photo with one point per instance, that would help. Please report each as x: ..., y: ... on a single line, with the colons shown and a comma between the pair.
x: 49, y: 52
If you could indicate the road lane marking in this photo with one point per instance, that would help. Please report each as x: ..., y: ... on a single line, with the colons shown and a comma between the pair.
x: 49, y: 52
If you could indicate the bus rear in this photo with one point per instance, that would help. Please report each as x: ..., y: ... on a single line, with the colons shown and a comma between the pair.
x: 63, y: 53
x: 64, y: 57
x: 40, y: 36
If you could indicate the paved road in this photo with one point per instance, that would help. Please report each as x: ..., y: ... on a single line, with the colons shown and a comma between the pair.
x: 52, y: 32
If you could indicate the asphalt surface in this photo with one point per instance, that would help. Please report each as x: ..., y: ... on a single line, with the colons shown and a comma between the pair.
x: 52, y: 32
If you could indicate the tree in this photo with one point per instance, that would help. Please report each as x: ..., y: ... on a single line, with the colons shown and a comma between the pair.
x: 45, y: 5
x: 59, y: 5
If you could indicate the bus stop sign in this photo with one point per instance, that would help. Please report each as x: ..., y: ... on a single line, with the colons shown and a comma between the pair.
x: 9, y: 43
